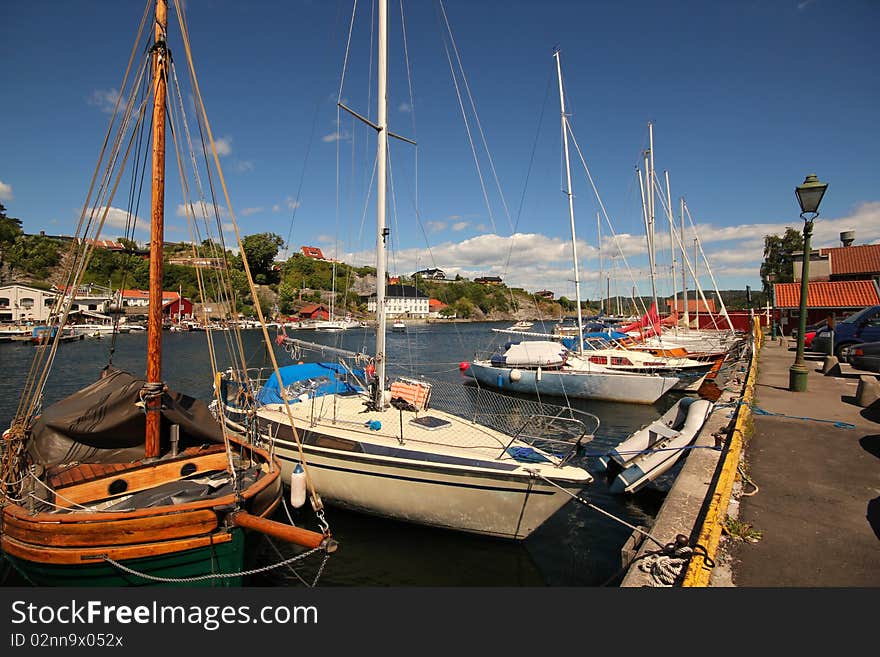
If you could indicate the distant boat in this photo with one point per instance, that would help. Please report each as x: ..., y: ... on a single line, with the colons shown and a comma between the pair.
x: 399, y: 326
x: 653, y: 449
x: 549, y: 368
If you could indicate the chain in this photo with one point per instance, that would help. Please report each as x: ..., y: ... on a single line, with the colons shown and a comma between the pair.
x: 202, y: 578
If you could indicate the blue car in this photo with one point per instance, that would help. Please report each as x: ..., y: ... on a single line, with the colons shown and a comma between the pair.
x: 863, y: 326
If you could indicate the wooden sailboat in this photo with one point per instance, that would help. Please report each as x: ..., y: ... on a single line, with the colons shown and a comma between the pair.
x: 127, y: 482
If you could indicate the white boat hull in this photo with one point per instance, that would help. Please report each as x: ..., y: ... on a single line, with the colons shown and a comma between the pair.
x: 605, y: 386
x: 458, y: 489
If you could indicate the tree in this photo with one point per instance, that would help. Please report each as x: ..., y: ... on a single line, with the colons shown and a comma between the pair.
x: 34, y: 254
x: 10, y: 230
x: 261, y: 250
x: 777, y: 266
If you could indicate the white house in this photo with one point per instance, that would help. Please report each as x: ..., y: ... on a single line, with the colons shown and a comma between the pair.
x: 90, y: 297
x: 402, y: 301
x: 23, y: 303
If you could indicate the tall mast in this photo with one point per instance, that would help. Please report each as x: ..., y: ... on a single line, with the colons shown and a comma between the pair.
x: 157, y: 229
x: 696, y: 280
x: 652, y: 255
x: 684, y: 280
x: 568, y: 192
x: 601, y: 276
x: 381, y: 157
x: 672, y: 246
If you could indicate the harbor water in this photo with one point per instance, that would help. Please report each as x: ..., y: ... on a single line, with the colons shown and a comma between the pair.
x: 577, y: 547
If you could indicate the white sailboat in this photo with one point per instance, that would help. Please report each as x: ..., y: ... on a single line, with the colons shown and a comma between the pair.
x: 521, y: 368
x: 453, y: 457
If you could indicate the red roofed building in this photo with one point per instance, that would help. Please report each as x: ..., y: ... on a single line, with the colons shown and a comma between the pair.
x: 824, y: 298
x: 435, y: 306
x: 314, y: 311
x: 693, y: 306
x: 841, y: 263
x: 141, y: 298
x: 313, y: 252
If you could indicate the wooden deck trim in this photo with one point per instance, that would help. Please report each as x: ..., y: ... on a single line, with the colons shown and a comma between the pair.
x: 81, y: 556
x: 111, y: 531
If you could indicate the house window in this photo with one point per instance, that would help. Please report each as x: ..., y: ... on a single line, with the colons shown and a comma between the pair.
x: 48, y: 302
x: 4, y: 302
x: 27, y: 303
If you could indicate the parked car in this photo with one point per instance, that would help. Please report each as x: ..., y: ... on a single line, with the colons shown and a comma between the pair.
x: 863, y: 326
x: 811, y: 328
x: 865, y: 356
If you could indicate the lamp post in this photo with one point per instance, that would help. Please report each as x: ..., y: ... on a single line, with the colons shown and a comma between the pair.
x: 809, y: 195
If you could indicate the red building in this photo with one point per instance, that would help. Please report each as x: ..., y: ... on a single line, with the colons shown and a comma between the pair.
x: 176, y: 307
x: 838, y: 298
x: 314, y: 311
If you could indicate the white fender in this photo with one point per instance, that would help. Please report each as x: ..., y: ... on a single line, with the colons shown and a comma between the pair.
x: 297, y: 487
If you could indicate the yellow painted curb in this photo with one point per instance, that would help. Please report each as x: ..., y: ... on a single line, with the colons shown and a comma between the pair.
x: 698, y: 573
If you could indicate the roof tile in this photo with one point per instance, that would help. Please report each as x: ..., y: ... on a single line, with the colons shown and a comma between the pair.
x: 828, y: 294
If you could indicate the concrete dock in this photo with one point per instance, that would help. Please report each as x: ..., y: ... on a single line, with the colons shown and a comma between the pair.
x: 791, y: 500
x: 817, y: 503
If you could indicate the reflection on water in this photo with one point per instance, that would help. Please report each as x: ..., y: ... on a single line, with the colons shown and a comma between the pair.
x: 576, y: 547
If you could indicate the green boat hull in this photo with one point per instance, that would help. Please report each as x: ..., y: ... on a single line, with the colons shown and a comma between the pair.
x: 178, y: 568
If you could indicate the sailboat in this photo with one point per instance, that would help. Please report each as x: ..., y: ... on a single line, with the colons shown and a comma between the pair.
x: 546, y: 367
x: 442, y: 455
x: 126, y: 482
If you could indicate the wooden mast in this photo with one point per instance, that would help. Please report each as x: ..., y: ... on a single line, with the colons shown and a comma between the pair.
x: 157, y: 228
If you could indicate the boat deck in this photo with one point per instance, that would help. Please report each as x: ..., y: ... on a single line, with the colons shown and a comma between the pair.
x: 430, y: 429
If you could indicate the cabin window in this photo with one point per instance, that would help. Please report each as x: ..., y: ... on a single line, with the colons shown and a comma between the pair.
x: 599, y: 360
x: 620, y: 360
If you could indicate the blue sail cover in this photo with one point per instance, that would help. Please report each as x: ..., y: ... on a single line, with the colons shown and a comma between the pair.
x: 314, y: 379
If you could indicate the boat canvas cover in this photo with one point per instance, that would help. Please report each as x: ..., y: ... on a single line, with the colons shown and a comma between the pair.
x: 314, y: 379
x: 104, y: 423
x: 532, y: 353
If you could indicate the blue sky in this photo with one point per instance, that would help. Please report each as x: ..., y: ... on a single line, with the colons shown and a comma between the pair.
x: 746, y: 98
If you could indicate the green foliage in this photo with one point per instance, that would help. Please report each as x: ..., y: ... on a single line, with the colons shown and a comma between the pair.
x: 777, y: 265
x: 34, y: 254
x: 10, y: 230
x: 261, y: 250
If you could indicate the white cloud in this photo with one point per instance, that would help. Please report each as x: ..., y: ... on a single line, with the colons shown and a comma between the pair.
x: 335, y: 136
x: 292, y: 203
x: 244, y: 165
x: 200, y: 211
x: 460, y: 225
x: 435, y: 226
x: 223, y: 146
x: 404, y: 107
x: 103, y: 99
x: 119, y: 218
x: 534, y: 261
x: 276, y: 208
x: 5, y: 191
x: 246, y: 212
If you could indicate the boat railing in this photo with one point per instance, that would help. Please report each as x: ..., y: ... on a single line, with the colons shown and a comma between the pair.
x: 560, y: 430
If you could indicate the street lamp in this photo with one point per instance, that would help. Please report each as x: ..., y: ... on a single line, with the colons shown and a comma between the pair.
x: 809, y: 195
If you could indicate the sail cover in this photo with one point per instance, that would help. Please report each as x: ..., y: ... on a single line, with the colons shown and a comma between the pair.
x: 104, y: 423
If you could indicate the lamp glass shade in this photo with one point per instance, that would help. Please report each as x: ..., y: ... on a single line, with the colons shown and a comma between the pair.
x: 810, y: 193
